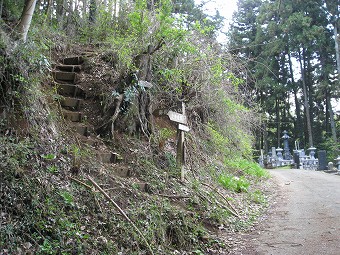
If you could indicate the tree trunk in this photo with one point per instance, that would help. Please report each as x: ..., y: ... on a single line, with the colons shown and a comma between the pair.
x: 115, y: 13
x: 278, y: 121
x: 265, y: 137
x: 327, y: 117
x: 48, y: 8
x: 298, y: 124
x: 60, y: 11
x: 1, y: 4
x: 84, y: 9
x: 336, y: 39
x: 93, y: 11
x: 305, y: 101
x: 331, y: 117
x: 309, y: 88
x: 26, y: 18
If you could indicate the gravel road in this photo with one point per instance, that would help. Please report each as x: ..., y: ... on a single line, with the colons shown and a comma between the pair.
x: 305, y: 219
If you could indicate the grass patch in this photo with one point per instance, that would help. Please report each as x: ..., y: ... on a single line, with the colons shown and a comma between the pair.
x: 258, y: 197
x: 234, y: 183
x: 248, y: 167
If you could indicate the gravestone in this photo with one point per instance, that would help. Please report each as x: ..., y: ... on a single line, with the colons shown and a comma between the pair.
x: 297, y: 159
x: 274, y: 153
x: 322, y: 160
x: 337, y: 160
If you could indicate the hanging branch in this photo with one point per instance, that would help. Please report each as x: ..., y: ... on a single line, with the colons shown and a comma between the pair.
x: 121, y: 212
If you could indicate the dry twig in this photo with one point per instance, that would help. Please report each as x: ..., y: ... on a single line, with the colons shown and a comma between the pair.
x: 235, y: 213
x: 173, y: 196
x: 120, y: 211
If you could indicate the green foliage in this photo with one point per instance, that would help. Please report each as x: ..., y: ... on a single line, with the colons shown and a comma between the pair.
x: 234, y: 107
x: 234, y: 183
x: 48, y: 156
x: 258, y: 197
x: 14, y: 9
x: 139, y: 21
x: 219, y: 141
x: 269, y: 41
x: 65, y: 218
x: 248, y: 167
x: 166, y: 133
x: 15, y: 154
x: 223, y: 143
x: 53, y: 169
x: 332, y: 149
x: 197, y: 252
x: 68, y: 198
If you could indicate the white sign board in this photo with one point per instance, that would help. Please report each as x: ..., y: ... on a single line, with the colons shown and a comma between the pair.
x: 145, y: 84
x: 183, y: 127
x: 177, y: 117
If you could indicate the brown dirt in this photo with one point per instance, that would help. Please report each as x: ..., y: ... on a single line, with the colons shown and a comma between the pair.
x: 304, y: 219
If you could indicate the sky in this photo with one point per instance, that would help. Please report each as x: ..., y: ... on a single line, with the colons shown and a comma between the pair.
x: 226, y: 9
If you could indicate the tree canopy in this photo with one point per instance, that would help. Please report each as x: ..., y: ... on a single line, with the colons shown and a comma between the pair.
x: 290, y: 52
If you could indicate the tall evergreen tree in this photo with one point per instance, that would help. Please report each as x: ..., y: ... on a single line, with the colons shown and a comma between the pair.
x: 285, y: 46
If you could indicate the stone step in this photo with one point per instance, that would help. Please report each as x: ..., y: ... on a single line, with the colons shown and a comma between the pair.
x: 73, y: 60
x: 72, y: 116
x: 88, y: 140
x: 69, y: 68
x: 64, y: 76
x: 122, y: 171
x: 89, y: 54
x: 142, y: 186
x: 71, y: 102
x: 108, y: 157
x: 81, y: 129
x: 70, y: 90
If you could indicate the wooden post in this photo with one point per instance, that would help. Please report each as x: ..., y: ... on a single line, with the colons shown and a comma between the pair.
x: 182, y: 127
x: 180, y: 152
x: 180, y: 148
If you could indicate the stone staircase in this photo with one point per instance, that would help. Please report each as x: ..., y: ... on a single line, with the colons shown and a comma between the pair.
x: 72, y: 98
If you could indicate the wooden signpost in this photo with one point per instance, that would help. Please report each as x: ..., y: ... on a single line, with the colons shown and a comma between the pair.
x: 177, y: 117
x: 181, y: 120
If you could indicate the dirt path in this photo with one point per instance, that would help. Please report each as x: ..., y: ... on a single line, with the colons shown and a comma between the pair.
x: 306, y: 219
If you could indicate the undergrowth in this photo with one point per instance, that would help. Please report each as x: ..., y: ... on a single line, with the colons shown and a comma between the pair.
x: 45, y: 212
x: 49, y: 207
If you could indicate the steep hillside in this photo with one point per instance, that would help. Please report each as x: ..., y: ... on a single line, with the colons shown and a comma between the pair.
x: 49, y: 201
x: 88, y: 158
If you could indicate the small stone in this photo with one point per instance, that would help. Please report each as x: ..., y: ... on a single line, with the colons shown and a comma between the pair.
x: 27, y: 245
x: 102, y: 240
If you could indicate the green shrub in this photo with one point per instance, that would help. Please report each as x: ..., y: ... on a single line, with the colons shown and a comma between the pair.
x: 234, y: 183
x: 248, y: 167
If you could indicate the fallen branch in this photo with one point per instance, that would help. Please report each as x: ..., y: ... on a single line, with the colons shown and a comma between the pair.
x: 80, y: 182
x: 173, y: 196
x: 221, y: 205
x: 121, y: 212
x: 228, y: 202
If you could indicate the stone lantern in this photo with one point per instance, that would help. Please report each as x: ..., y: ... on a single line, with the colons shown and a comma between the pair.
x: 286, y: 154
